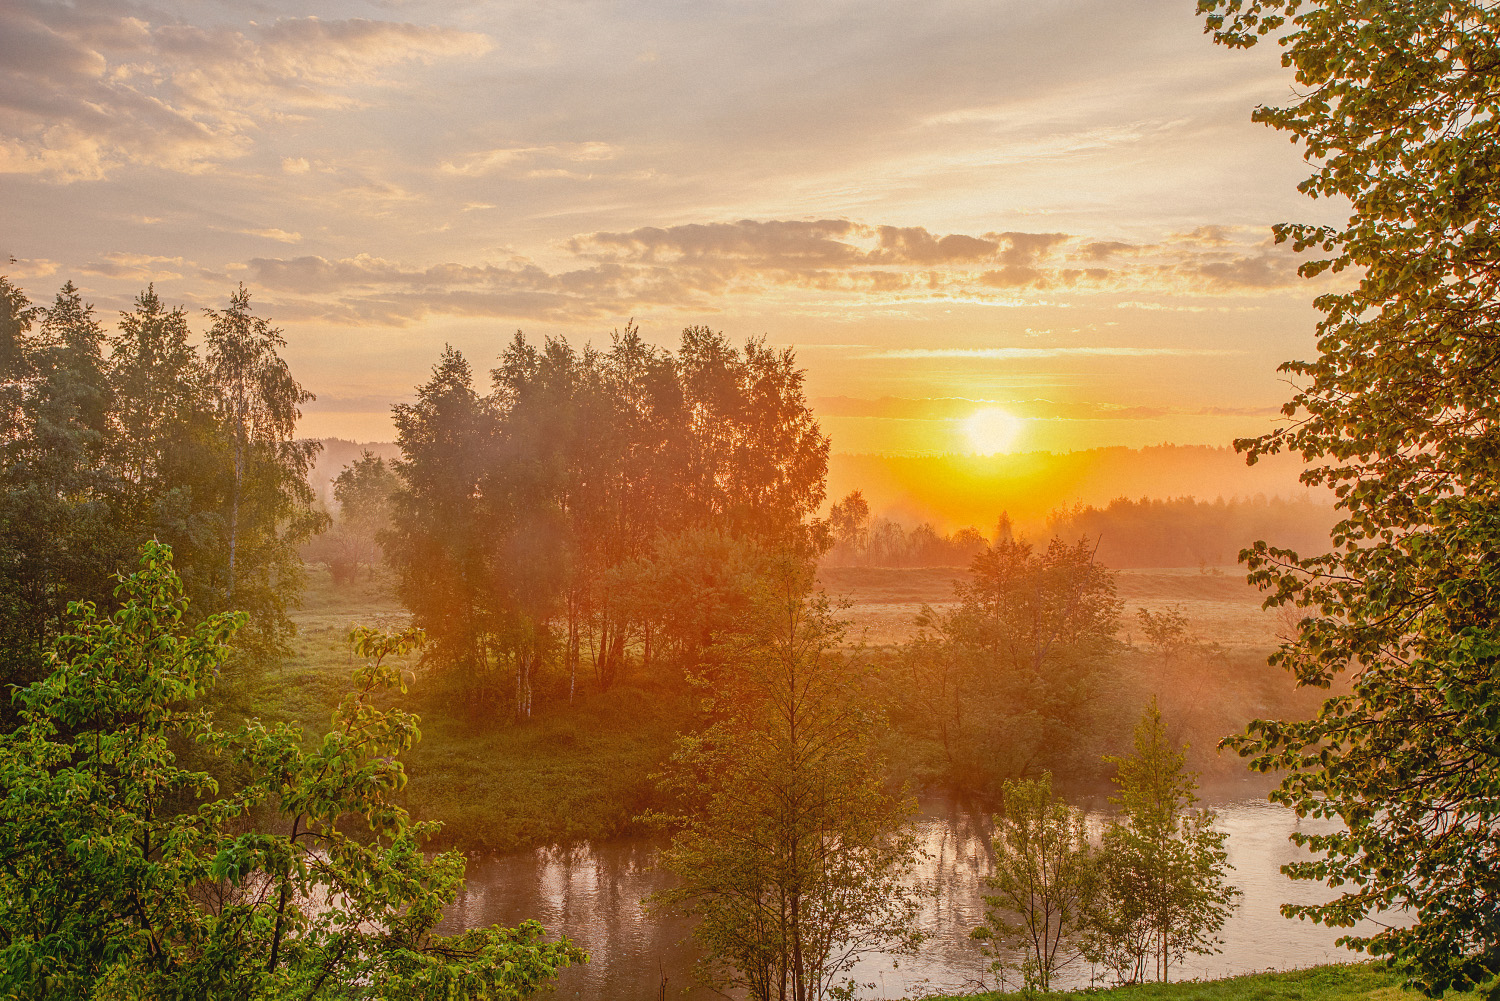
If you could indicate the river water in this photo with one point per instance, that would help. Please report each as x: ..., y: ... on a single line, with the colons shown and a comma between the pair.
x: 592, y: 893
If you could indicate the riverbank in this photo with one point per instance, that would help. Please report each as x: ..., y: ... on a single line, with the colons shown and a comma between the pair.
x: 1341, y: 982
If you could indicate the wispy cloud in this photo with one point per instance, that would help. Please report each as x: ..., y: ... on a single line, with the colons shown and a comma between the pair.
x: 89, y: 88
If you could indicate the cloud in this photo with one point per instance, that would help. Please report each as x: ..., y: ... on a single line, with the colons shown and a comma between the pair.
x: 958, y: 408
x: 1260, y: 271
x: 772, y: 243
x: 87, y: 89
x: 495, y: 160
x: 809, y: 264
x: 1103, y: 250
x: 279, y: 235
x: 138, y: 267
x: 37, y: 267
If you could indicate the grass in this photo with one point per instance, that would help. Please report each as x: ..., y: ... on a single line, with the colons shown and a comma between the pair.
x: 1351, y: 982
x: 578, y: 771
x: 581, y: 771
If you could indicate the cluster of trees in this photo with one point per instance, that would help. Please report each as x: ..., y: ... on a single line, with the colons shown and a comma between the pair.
x: 1185, y: 532
x: 1152, y: 890
x: 109, y: 439
x: 1008, y: 681
x: 595, y: 501
x: 124, y: 874
x: 854, y: 540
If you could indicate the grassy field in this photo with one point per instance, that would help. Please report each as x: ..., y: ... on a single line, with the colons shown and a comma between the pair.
x: 1216, y: 600
x: 582, y: 773
x: 582, y: 770
x: 1353, y: 982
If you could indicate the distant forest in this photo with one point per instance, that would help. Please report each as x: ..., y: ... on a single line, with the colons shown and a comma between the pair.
x: 1132, y: 533
x: 1177, y: 532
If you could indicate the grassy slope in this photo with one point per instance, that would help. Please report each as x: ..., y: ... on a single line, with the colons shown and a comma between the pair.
x: 496, y: 785
x: 1353, y: 982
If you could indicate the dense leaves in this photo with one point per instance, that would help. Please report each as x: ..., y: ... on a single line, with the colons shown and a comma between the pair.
x: 1008, y: 681
x: 537, y: 525
x: 124, y: 874
x: 109, y: 439
x: 1400, y: 414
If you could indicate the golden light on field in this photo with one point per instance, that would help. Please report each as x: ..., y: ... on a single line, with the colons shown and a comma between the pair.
x: 991, y: 431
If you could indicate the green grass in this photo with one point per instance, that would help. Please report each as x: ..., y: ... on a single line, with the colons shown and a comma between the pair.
x: 575, y: 771
x: 1352, y: 982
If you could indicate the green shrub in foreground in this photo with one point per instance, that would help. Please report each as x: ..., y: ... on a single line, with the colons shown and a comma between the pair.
x: 123, y: 875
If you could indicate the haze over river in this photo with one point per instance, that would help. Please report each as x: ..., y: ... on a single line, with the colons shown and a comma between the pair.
x: 592, y: 893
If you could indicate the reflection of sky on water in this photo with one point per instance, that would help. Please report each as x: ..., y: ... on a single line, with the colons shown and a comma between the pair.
x: 593, y: 892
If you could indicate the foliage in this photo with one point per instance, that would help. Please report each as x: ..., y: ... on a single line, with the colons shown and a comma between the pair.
x: 123, y: 874
x: 535, y: 526
x: 790, y: 851
x: 269, y: 507
x: 102, y: 449
x: 1008, y: 679
x: 1397, y: 413
x: 1162, y: 866
x: 1045, y: 880
x: 363, y: 490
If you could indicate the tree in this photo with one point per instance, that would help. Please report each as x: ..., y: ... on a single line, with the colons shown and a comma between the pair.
x: 849, y: 524
x: 1045, y: 880
x: 437, y: 540
x: 101, y: 451
x: 59, y: 537
x: 363, y: 490
x: 123, y: 874
x: 531, y: 520
x: 1397, y: 414
x: 788, y: 848
x: 269, y: 507
x: 1020, y: 657
x: 1162, y: 865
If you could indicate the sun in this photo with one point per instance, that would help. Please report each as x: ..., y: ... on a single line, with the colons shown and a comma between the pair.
x: 992, y: 430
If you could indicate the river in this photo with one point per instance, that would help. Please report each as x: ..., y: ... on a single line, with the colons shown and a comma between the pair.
x: 592, y: 893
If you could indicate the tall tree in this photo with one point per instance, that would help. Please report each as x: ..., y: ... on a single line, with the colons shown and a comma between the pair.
x: 58, y: 532
x: 269, y: 506
x: 1398, y: 414
x: 438, y: 540
x: 788, y: 847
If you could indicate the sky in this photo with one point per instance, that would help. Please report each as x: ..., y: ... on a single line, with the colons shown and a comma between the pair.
x: 1008, y: 225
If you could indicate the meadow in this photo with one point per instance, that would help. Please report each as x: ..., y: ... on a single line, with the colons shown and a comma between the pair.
x: 582, y: 771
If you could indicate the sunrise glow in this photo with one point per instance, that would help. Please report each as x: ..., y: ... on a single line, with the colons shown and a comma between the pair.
x: 992, y: 431
x: 1008, y: 209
